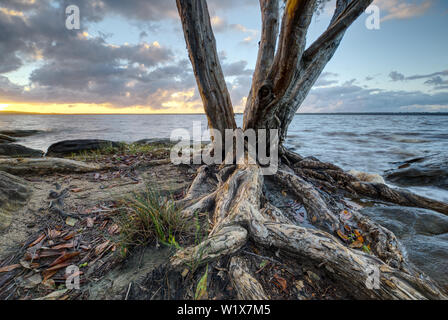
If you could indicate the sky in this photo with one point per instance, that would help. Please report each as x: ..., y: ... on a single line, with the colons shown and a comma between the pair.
x: 130, y: 57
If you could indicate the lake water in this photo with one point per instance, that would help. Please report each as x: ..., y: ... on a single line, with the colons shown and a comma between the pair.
x: 368, y: 143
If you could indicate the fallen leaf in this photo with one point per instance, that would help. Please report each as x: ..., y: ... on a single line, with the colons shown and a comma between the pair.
x: 39, y: 239
x: 356, y: 244
x: 342, y: 235
x: 65, y: 257
x: 32, y: 281
x: 67, y: 245
x: 113, y: 229
x: 69, y: 236
x: 100, y: 248
x: 71, y: 221
x: 28, y: 265
x: 52, y: 234
x: 54, y: 295
x: 90, y: 222
x: 59, y: 266
x: 48, y: 274
x: 282, y: 282
x: 9, y: 268
x: 76, y: 190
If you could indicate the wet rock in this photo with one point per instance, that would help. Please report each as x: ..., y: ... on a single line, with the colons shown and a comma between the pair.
x: 423, y: 233
x: 20, y: 133
x: 424, y: 171
x: 69, y: 147
x: 45, y: 166
x: 367, y: 177
x: 18, y: 151
x: 14, y: 193
x: 6, y: 139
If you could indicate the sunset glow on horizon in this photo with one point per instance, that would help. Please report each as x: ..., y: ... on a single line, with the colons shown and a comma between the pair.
x: 131, y: 58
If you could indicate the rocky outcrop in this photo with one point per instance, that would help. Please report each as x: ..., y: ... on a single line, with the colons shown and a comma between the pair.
x: 45, y: 166
x: 423, y: 233
x: 68, y: 147
x: 13, y: 150
x: 20, y: 133
x: 14, y: 193
x: 425, y: 171
x: 6, y: 139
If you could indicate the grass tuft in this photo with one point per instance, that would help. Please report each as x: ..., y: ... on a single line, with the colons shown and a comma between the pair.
x: 151, y: 217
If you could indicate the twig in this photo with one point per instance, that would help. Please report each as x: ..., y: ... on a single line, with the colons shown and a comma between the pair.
x: 129, y: 289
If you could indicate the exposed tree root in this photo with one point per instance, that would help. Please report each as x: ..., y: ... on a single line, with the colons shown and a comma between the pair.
x: 247, y: 287
x: 240, y: 212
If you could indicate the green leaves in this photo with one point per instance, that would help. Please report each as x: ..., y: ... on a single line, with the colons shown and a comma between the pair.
x: 201, y: 289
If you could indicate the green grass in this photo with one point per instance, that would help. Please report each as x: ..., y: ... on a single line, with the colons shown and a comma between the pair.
x: 125, y: 149
x: 151, y: 217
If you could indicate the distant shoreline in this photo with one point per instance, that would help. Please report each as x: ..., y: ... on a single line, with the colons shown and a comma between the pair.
x: 174, y: 114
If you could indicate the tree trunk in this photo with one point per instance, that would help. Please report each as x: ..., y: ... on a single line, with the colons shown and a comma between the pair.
x: 241, y: 202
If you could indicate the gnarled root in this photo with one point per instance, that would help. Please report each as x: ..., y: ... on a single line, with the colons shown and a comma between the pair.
x: 247, y: 287
x: 241, y: 213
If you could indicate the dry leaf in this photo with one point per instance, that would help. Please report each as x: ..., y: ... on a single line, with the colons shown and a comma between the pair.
x: 63, y: 246
x: 282, y: 282
x: 100, y: 248
x: 38, y: 240
x: 90, y: 222
x: 357, y: 244
x: 9, y: 268
x: 113, y: 229
x: 69, y: 236
x: 59, y: 266
x: 64, y: 257
x: 342, y: 235
x: 52, y: 234
x: 76, y: 190
x: 71, y: 221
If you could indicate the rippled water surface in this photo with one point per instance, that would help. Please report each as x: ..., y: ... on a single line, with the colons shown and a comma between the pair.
x: 363, y: 142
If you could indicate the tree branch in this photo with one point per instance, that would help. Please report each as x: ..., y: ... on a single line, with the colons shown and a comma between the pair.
x: 296, y: 20
x: 267, y: 45
x: 316, y: 57
x: 201, y: 46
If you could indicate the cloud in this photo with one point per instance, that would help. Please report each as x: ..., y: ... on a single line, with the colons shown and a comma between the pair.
x: 402, y: 9
x: 348, y: 97
x: 220, y: 24
x: 396, y: 76
x: 434, y: 79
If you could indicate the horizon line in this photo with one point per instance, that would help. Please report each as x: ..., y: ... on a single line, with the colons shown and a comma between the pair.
x: 236, y: 113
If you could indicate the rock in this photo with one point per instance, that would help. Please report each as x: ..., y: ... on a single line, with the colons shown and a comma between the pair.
x: 14, y: 193
x: 20, y: 133
x: 69, y: 147
x: 18, y: 151
x: 423, y: 233
x: 424, y: 171
x: 6, y: 139
x: 367, y: 177
x: 45, y: 166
